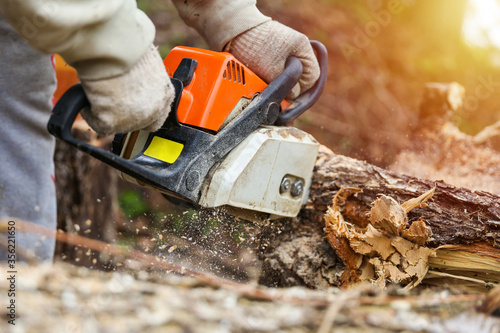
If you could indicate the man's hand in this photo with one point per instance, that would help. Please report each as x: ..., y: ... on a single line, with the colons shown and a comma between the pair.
x: 265, y: 48
x: 138, y: 99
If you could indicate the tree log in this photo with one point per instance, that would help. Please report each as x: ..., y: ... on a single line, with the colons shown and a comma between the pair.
x: 82, y: 300
x: 455, y: 215
x: 294, y: 251
x: 460, y: 220
x: 463, y: 247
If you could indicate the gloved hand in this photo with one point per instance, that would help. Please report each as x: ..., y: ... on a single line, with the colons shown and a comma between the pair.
x: 265, y: 48
x: 138, y: 99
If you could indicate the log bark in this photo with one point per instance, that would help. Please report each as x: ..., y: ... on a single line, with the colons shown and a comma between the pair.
x: 455, y: 215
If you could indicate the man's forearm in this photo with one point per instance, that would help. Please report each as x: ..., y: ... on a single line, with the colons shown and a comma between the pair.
x: 101, y: 39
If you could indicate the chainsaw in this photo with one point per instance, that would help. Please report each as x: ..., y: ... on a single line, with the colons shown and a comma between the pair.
x: 225, y: 143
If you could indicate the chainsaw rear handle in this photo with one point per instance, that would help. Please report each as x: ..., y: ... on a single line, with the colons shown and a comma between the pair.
x: 308, y: 98
x: 61, y: 121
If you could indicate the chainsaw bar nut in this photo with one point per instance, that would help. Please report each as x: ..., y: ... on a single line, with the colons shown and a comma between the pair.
x: 286, y: 183
x: 297, y: 188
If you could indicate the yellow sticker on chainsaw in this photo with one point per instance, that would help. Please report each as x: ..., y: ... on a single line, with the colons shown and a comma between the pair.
x: 164, y: 150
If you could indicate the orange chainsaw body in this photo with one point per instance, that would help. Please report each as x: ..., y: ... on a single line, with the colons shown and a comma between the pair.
x: 218, y: 84
x: 66, y: 76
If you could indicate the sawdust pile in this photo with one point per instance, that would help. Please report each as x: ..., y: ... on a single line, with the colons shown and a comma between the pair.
x: 385, y: 250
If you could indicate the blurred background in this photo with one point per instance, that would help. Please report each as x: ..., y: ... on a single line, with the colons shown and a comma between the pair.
x: 381, y: 53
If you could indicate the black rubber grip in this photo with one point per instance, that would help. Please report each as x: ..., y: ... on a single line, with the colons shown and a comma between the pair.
x: 308, y: 98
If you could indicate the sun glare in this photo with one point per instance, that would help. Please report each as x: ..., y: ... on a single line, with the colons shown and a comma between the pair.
x: 481, y: 25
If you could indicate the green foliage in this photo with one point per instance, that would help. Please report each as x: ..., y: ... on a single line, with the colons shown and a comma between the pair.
x: 211, y: 226
x: 144, y: 5
x: 132, y: 203
x: 180, y: 222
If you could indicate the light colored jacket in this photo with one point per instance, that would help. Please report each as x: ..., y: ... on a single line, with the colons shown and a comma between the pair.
x: 105, y: 38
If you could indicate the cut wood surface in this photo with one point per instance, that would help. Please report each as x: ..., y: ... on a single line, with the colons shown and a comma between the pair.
x: 387, y: 249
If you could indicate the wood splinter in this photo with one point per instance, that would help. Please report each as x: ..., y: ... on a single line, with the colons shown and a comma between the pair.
x: 388, y: 249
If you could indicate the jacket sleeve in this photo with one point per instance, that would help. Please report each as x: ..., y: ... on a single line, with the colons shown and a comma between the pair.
x: 101, y: 39
x: 219, y: 21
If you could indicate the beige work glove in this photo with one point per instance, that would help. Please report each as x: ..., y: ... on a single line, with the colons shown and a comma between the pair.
x: 265, y: 48
x: 138, y: 99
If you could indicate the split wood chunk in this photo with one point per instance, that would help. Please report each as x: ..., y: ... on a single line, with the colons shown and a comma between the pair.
x: 388, y: 249
x: 388, y: 216
x: 418, y: 202
x: 418, y: 232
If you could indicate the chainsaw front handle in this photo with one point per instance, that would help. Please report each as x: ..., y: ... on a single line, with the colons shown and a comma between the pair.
x: 308, y: 98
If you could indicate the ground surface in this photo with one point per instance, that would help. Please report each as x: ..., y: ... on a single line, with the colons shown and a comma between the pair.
x: 65, y: 298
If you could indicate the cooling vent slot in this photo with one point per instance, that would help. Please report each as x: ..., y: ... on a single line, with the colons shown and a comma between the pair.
x: 234, y: 72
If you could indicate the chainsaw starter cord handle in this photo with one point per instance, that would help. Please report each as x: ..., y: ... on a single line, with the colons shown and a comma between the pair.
x: 308, y: 98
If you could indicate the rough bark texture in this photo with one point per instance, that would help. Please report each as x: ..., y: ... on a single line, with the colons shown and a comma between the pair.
x: 455, y: 215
